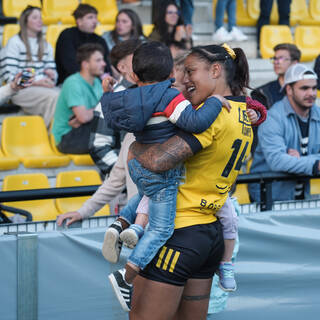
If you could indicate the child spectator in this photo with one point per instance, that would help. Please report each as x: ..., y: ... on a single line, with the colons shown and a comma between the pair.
x: 28, y: 49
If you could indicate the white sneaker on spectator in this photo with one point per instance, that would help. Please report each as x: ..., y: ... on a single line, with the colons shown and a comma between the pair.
x: 221, y: 35
x: 237, y: 35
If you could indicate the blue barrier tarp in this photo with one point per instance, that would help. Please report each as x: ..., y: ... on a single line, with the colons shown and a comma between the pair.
x: 278, y: 272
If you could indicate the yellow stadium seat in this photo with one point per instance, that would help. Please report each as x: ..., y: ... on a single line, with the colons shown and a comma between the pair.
x: 147, y: 29
x: 243, y: 18
x: 77, y: 179
x: 53, y: 32
x: 253, y: 7
x: 59, y: 11
x: 102, y: 28
x: 318, y: 93
x: 271, y: 36
x: 314, y: 12
x: 9, y: 30
x: 78, y: 159
x: 241, y: 193
x: 8, y: 163
x: 26, y: 137
x: 107, y: 10
x: 314, y: 186
x: 13, y: 8
x: 40, y: 209
x: 307, y: 39
x: 298, y: 12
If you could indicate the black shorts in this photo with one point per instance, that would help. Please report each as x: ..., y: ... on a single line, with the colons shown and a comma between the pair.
x: 191, y: 253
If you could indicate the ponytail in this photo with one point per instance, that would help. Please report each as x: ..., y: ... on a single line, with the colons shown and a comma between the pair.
x: 240, y: 80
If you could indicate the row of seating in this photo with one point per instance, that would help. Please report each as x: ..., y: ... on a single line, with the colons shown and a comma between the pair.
x: 53, y: 31
x: 306, y: 38
x: 48, y: 209
x: 54, y: 11
x: 24, y: 139
x: 300, y: 12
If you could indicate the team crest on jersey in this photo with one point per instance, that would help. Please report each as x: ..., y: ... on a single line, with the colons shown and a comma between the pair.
x: 245, y: 121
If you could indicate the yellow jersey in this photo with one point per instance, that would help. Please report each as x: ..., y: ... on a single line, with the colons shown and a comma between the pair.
x: 211, y: 172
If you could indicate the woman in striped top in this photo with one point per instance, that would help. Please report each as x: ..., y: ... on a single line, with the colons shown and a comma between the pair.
x: 28, y: 49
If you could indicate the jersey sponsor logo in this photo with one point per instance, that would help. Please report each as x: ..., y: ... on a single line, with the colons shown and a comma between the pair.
x: 205, y: 204
x: 168, y: 259
x: 245, y: 121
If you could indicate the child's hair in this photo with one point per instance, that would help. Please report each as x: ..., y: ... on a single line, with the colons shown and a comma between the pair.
x: 84, y: 9
x: 85, y: 51
x: 234, y: 62
x: 123, y: 49
x: 152, y: 62
x: 136, y: 30
x: 23, y: 33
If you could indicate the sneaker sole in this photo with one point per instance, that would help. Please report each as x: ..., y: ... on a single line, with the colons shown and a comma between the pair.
x: 129, y: 238
x: 110, y: 246
x: 225, y: 289
x: 117, y: 292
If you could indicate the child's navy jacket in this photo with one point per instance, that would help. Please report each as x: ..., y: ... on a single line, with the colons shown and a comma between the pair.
x: 155, y: 112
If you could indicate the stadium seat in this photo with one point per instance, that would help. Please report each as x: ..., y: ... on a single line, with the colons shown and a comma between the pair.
x: 253, y: 7
x: 59, y: 11
x: 26, y: 137
x: 13, y: 8
x: 53, y: 32
x: 147, y: 29
x: 78, y: 159
x: 314, y: 13
x: 8, y: 163
x: 102, y: 28
x: 40, y: 209
x: 77, y: 179
x: 241, y: 193
x: 271, y: 36
x: 9, y: 30
x: 243, y: 18
x: 298, y: 12
x: 307, y: 39
x: 314, y: 186
x: 107, y: 10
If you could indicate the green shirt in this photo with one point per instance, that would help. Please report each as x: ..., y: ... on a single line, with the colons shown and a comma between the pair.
x: 75, y: 91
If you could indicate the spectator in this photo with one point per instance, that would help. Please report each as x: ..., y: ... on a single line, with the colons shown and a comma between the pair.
x: 289, y: 138
x: 79, y: 95
x: 285, y: 55
x: 169, y: 28
x: 265, y: 11
x: 71, y: 39
x: 128, y: 26
x: 233, y: 33
x: 105, y: 142
x: 28, y: 49
x: 8, y: 90
x: 187, y: 9
x: 317, y: 70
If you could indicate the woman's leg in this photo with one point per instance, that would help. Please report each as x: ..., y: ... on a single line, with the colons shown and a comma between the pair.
x: 220, y: 10
x: 231, y: 11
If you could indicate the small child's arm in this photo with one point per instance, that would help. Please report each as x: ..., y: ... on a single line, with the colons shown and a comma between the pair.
x: 256, y: 111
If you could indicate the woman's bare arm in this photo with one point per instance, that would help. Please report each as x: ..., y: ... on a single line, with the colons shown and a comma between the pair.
x: 161, y: 157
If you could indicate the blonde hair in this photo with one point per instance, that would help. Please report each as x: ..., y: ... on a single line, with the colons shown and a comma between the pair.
x: 23, y: 22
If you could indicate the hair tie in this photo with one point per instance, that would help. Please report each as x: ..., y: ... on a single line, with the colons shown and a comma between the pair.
x: 230, y: 51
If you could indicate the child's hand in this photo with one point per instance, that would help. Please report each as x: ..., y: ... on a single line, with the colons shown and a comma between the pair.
x: 224, y: 101
x: 253, y: 116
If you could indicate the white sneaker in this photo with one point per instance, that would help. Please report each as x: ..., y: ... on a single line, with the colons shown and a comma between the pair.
x: 221, y: 35
x: 237, y: 35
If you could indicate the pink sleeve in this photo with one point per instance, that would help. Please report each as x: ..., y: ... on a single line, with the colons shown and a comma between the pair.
x: 143, y: 206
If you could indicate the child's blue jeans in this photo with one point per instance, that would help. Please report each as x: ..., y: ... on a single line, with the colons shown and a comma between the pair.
x: 161, y: 188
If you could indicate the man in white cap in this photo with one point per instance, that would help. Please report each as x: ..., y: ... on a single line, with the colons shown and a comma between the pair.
x: 289, y: 138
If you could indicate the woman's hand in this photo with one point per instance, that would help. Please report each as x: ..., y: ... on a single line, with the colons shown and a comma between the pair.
x: 71, y: 217
x: 45, y: 82
x: 180, y: 33
x: 14, y: 84
x: 50, y: 73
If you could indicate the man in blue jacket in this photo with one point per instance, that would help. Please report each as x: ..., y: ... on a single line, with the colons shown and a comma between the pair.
x: 289, y: 138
